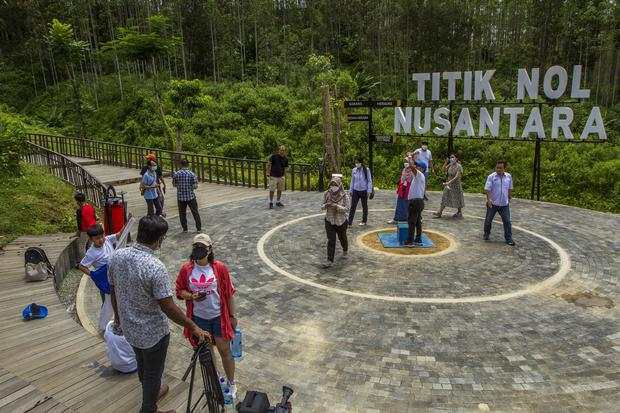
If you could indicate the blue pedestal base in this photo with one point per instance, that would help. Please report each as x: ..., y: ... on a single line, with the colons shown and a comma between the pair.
x: 397, y: 238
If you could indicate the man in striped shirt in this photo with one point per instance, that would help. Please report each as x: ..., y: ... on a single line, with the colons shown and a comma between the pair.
x: 185, y: 182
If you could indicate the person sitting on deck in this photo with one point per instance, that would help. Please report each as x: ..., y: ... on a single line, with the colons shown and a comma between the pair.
x: 120, y: 353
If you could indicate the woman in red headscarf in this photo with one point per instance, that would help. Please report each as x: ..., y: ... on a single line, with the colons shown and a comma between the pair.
x: 402, y: 204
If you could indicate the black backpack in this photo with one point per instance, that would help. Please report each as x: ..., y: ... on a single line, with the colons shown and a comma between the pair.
x: 37, y: 266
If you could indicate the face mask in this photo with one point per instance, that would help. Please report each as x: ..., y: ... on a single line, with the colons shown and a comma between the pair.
x: 153, y: 168
x: 357, y: 165
x: 424, y: 147
x: 452, y: 160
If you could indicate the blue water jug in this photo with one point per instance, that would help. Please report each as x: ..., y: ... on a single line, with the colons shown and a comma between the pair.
x: 228, y: 399
x: 236, y: 345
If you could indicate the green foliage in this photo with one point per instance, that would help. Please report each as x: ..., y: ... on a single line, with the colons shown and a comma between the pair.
x: 135, y: 44
x: 35, y: 203
x: 63, y: 42
x: 12, y: 143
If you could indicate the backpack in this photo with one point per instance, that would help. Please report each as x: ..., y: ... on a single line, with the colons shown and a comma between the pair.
x: 37, y: 266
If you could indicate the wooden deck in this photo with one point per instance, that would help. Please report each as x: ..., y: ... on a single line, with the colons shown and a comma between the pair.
x: 54, y: 364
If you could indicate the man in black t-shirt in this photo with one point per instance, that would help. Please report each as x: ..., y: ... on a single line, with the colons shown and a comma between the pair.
x: 276, y: 169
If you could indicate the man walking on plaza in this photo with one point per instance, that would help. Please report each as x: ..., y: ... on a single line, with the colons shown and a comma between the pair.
x: 276, y: 168
x: 142, y: 302
x: 499, y: 192
x: 185, y: 182
x: 416, y: 204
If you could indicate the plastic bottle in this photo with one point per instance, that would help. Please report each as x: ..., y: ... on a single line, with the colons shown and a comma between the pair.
x: 228, y: 399
x: 236, y: 345
x: 223, y: 383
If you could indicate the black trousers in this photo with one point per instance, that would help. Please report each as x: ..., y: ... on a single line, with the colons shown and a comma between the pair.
x: 356, y: 196
x: 333, y: 230
x: 151, y: 362
x: 193, y: 206
x: 414, y: 219
x: 153, y: 206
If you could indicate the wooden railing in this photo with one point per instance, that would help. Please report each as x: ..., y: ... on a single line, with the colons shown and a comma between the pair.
x: 64, y: 168
x: 208, y: 168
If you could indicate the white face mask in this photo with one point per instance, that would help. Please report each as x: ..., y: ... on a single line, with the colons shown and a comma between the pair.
x: 357, y: 165
x: 424, y: 147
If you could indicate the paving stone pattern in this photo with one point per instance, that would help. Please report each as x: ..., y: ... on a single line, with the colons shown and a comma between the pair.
x: 347, y: 354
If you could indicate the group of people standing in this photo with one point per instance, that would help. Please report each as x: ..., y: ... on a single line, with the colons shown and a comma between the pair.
x: 136, y: 288
x: 153, y: 189
x: 340, y: 205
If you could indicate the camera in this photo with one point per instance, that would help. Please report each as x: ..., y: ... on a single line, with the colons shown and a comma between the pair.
x: 258, y: 402
x: 285, y: 405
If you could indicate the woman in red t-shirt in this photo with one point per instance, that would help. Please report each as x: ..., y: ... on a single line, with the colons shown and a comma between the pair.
x: 207, y: 289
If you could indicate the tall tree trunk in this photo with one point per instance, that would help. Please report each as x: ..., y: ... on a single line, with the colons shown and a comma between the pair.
x: 160, y: 105
x: 256, y: 49
x: 213, y: 50
x: 327, y: 131
x: 336, y: 140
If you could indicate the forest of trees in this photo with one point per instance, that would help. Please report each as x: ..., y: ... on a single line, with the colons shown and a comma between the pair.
x: 236, y: 77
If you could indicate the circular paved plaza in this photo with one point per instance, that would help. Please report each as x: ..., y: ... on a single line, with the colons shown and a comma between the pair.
x: 479, y: 325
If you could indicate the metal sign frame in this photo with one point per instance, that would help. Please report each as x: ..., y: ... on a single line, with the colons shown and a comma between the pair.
x: 536, y: 169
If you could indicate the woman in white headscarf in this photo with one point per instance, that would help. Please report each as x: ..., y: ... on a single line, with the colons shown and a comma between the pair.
x: 336, y: 203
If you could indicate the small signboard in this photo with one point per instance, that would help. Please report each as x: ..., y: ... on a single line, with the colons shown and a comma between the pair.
x: 358, y: 118
x: 384, y: 138
x: 386, y: 103
x: 371, y: 103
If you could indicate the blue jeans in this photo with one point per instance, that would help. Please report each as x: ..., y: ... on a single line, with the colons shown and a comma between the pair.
x: 504, y: 212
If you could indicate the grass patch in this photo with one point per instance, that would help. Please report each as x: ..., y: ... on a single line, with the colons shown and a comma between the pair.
x: 35, y: 203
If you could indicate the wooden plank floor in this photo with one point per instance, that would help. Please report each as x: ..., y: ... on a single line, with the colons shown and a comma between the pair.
x: 54, y: 365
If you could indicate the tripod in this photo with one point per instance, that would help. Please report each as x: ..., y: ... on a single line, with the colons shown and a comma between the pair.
x: 212, y: 392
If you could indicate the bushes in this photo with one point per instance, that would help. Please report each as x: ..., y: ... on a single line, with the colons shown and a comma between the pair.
x: 35, y: 203
x: 12, y: 143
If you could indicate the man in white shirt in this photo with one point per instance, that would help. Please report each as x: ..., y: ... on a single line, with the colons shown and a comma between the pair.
x: 423, y: 154
x: 416, y: 204
x: 498, y: 188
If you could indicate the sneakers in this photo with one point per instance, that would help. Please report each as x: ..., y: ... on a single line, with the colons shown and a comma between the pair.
x: 511, y: 243
x: 233, y: 389
x: 271, y: 205
x: 391, y: 221
x: 408, y: 244
x: 485, y: 237
x: 417, y: 240
x: 362, y: 224
x: 279, y: 204
x: 458, y: 215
